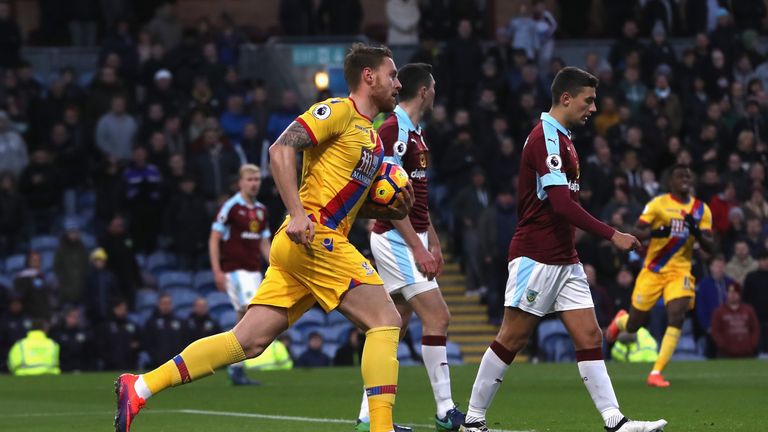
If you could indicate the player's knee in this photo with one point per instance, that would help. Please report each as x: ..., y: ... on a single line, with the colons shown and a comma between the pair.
x: 437, y: 322
x: 254, y: 348
x: 594, y: 337
x: 387, y: 319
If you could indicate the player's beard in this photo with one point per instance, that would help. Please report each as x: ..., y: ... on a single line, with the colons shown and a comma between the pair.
x: 382, y: 97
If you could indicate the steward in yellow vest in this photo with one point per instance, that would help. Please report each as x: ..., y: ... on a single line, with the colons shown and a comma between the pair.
x: 643, y: 349
x: 36, y: 354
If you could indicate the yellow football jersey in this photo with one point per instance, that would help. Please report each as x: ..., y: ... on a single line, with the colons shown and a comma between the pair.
x: 673, y: 253
x: 338, y: 170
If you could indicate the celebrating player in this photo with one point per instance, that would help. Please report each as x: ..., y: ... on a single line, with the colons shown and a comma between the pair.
x: 311, y: 259
x: 545, y: 274
x: 407, y: 251
x: 239, y: 238
x: 673, y: 222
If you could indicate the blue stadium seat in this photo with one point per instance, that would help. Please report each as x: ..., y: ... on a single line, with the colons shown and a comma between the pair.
x: 297, y: 337
x: 330, y: 348
x: 554, y: 342
x: 140, y: 318
x: 6, y: 281
x: 218, y: 300
x: 404, y: 356
x: 336, y: 317
x: 141, y: 260
x: 454, y: 353
x: 203, y: 282
x: 183, y: 311
x: 297, y: 349
x: 159, y: 262
x: 174, y: 279
x: 44, y: 243
x: 182, y: 296
x: 313, y: 317
x: 228, y: 319
x: 146, y: 299
x: 46, y: 261
x: 88, y: 240
x: 15, y: 263
x: 338, y: 333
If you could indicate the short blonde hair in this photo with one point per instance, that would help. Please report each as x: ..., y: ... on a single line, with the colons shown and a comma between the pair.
x: 249, y: 169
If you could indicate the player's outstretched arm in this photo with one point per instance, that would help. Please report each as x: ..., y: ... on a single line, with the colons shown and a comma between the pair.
x: 282, y: 156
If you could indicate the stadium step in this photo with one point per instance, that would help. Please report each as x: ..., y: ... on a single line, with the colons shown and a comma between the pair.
x: 470, y: 308
x: 471, y: 339
x: 478, y: 318
x: 463, y: 328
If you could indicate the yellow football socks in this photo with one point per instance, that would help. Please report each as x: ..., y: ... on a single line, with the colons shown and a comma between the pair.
x: 668, y: 345
x: 198, y: 360
x: 379, y: 367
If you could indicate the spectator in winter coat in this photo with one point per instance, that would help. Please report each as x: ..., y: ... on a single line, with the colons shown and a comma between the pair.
x: 735, y: 328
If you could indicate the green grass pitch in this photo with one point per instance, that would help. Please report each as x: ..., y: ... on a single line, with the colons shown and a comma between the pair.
x: 705, y: 396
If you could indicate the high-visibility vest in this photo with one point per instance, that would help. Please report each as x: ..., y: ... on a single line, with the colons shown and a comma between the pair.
x: 275, y: 357
x: 36, y: 354
x: 644, y: 350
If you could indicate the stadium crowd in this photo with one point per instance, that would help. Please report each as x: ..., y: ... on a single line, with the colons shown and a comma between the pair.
x: 109, y: 182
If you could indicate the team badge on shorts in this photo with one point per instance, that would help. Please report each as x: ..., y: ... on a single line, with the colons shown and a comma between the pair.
x: 530, y: 295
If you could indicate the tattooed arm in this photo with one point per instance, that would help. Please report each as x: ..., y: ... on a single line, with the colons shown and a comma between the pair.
x: 282, y: 156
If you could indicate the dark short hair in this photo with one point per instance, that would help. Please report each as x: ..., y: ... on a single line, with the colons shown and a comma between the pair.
x: 570, y: 80
x: 413, y: 77
x: 362, y: 56
x: 679, y: 166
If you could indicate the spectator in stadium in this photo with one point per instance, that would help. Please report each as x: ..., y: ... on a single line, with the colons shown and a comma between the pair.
x: 158, y: 153
x: 116, y: 130
x: 253, y: 147
x: 165, y: 27
x: 757, y: 207
x: 721, y: 205
x: 504, y: 164
x: 104, y: 88
x: 403, y: 17
x: 70, y: 264
x: 186, y: 223
x: 36, y: 354
x: 36, y: 292
x: 276, y: 356
x: 283, y: 115
x: 754, y: 236
x: 164, y: 335
x: 214, y: 166
x: 756, y: 294
x: 461, y: 61
x: 101, y: 289
x: 600, y: 297
x: 122, y: 261
x: 71, y: 160
x: 118, y: 339
x: 13, y: 149
x: 351, y: 352
x: 200, y: 324
x: 14, y: 325
x: 12, y: 209
x: 314, y: 355
x: 523, y: 31
x: 742, y: 262
x: 546, y: 26
x: 628, y: 42
x: 633, y: 89
x: 10, y: 37
x: 735, y: 328
x: 234, y: 119
x: 639, y: 347
x: 75, y: 342
x: 495, y: 228
x: 142, y: 183
x: 711, y: 292
x: 621, y: 289
x: 163, y: 92
x: 469, y: 204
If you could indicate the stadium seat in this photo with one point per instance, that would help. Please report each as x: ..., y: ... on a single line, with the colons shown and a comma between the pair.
x: 228, y: 319
x: 159, y: 262
x: 6, y: 281
x: 404, y: 356
x: 297, y: 349
x: 335, y: 317
x: 454, y: 353
x: 46, y: 261
x: 338, y: 333
x: 140, y: 318
x: 88, y: 240
x: 44, y: 243
x: 181, y: 296
x: 218, y: 300
x: 146, y: 299
x: 296, y: 336
x: 183, y: 311
x: 15, y: 263
x: 313, y: 317
x: 174, y: 279
x: 330, y: 348
x: 555, y: 342
x: 203, y: 282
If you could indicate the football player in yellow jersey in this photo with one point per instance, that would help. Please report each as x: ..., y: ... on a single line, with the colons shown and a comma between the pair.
x: 311, y: 259
x: 673, y: 222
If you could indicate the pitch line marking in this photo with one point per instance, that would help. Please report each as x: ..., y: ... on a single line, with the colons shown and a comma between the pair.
x: 222, y: 414
x: 299, y: 419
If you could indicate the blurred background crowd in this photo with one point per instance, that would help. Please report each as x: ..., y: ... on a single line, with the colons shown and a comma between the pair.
x: 109, y: 178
